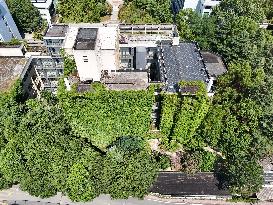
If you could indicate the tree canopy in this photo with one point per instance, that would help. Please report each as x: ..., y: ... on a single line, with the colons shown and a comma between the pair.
x: 86, y: 11
x: 40, y: 151
x: 143, y: 11
x: 26, y: 16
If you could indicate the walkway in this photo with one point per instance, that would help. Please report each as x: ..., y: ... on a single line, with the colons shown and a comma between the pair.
x: 116, y: 4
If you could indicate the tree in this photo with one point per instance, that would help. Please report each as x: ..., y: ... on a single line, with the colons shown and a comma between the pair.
x: 233, y: 126
x: 70, y: 66
x: 26, y: 16
x: 129, y: 172
x: 240, y: 38
x: 84, y: 179
x: 194, y: 27
x: 40, y: 154
x: 86, y: 11
x: 252, y: 9
x: 143, y: 11
x: 244, y: 176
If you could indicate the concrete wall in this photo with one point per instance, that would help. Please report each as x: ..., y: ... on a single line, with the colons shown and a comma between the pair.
x: 19, y: 51
x: 87, y: 65
x: 8, y: 28
x: 209, y: 4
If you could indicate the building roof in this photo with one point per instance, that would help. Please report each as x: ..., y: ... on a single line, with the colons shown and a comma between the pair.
x: 86, y: 39
x: 182, y: 62
x: 214, y: 64
x: 181, y: 184
x: 57, y: 31
x: 108, y: 37
x: 10, y: 70
x: 126, y: 80
x: 42, y: 4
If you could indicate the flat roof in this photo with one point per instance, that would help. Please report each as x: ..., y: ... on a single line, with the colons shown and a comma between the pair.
x: 57, y: 31
x: 86, y: 39
x: 42, y: 4
x: 214, y: 64
x: 181, y: 184
x: 108, y: 37
x: 10, y: 70
x: 126, y: 80
x: 182, y: 62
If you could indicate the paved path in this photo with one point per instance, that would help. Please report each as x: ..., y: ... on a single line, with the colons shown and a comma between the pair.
x: 116, y: 4
x: 14, y: 194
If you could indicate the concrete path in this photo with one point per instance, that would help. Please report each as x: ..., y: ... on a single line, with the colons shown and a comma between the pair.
x: 15, y: 195
x: 116, y: 4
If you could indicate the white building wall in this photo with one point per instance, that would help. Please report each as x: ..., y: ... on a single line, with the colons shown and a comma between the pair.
x: 44, y: 7
x: 191, y: 4
x: 206, y: 6
x: 87, y: 65
x: 18, y: 52
x: 45, y: 15
x: 8, y: 28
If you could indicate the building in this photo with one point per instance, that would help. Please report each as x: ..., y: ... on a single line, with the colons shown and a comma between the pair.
x: 122, y: 57
x: 197, y: 186
x: 206, y: 6
x: 8, y: 29
x: 46, y: 9
x: 42, y: 73
x: 177, y: 5
x: 54, y: 39
x: 7, y: 50
x: 200, y: 6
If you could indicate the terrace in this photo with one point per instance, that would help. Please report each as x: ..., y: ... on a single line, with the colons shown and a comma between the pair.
x: 10, y: 70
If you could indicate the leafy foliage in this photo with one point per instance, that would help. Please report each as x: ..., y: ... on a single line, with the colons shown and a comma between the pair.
x: 102, y: 116
x: 253, y: 9
x: 69, y: 64
x: 182, y: 115
x: 143, y: 11
x: 26, y: 16
x: 169, y: 109
x: 84, y: 179
x: 86, y: 11
x: 130, y: 172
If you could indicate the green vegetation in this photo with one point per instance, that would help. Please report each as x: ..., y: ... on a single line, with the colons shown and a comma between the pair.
x: 237, y: 123
x: 26, y: 16
x: 87, y: 144
x: 86, y: 11
x: 40, y: 151
x: 143, y: 11
x: 116, y: 113
x: 69, y: 64
x: 12, y: 42
x: 182, y: 114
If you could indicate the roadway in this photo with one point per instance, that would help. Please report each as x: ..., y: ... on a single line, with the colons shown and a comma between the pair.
x: 14, y: 196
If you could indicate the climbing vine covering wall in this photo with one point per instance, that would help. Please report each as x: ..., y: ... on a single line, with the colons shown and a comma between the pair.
x: 102, y: 115
x: 182, y: 114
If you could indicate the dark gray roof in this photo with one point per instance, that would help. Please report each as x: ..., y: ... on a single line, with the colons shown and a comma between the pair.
x: 214, y: 64
x: 268, y: 178
x: 181, y: 184
x: 57, y: 31
x: 182, y: 62
x: 86, y: 39
x: 82, y: 88
x: 141, y: 58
